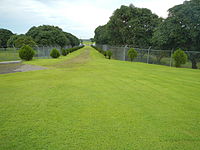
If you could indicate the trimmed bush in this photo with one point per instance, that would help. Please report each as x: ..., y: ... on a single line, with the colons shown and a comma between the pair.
x: 100, y: 50
x: 179, y: 57
x: 54, y: 53
x: 104, y: 53
x: 109, y: 54
x: 64, y: 52
x: 26, y: 53
x: 70, y: 50
x: 132, y: 53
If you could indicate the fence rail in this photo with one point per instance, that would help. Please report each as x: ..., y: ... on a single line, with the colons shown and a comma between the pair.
x: 150, y: 56
x: 8, y: 54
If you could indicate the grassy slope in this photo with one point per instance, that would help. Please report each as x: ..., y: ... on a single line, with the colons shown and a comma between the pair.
x: 100, y: 104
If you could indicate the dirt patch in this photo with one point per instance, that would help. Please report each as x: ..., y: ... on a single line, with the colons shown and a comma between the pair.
x: 19, y: 67
x: 76, y: 61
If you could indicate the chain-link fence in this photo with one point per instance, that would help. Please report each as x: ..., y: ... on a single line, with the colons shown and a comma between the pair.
x: 7, y: 54
x: 10, y: 54
x: 151, y: 56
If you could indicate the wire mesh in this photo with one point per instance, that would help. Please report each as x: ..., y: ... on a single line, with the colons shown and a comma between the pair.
x: 151, y: 56
x: 11, y: 54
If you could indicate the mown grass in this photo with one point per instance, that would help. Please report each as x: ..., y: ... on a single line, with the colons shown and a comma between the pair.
x: 9, y: 55
x: 98, y: 103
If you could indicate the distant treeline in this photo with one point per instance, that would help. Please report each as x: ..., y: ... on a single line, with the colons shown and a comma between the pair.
x: 141, y: 28
x: 44, y: 35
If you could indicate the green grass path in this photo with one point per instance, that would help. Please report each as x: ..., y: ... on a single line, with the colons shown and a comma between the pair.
x: 86, y: 102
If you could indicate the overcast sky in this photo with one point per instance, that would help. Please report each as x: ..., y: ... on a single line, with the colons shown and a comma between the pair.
x: 79, y: 17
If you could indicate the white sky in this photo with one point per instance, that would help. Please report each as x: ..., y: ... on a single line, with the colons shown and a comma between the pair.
x: 79, y: 17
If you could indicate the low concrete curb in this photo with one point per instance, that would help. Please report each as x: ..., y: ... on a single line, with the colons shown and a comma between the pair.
x: 11, y: 62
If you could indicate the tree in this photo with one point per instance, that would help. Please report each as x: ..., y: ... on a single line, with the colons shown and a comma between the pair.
x: 179, y: 57
x: 128, y: 25
x: 24, y: 40
x: 101, y: 35
x: 10, y: 42
x: 92, y: 40
x: 4, y: 37
x: 20, y: 40
x: 132, y: 53
x: 181, y: 30
x: 74, y: 41
x: 47, y: 35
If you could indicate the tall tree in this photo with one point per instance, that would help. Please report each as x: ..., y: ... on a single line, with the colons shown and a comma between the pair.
x: 4, y: 37
x: 181, y: 30
x: 73, y: 40
x: 101, y: 35
x: 47, y: 35
x: 20, y: 40
x: 129, y: 25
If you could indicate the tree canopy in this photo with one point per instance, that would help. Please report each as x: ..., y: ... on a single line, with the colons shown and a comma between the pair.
x: 128, y: 25
x: 181, y: 29
x: 47, y: 35
x: 74, y: 41
x: 20, y: 40
x: 4, y: 37
x: 101, y: 35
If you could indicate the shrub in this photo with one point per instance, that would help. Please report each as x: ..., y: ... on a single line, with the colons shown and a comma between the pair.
x: 179, y: 57
x: 70, y: 50
x: 132, y: 53
x: 26, y: 53
x: 104, y: 53
x: 64, y: 52
x: 101, y: 51
x: 54, y: 53
x: 109, y: 54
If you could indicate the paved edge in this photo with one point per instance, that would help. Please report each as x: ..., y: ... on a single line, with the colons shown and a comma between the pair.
x: 10, y: 62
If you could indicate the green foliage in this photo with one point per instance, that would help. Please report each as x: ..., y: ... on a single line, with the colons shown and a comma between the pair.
x: 70, y: 50
x: 47, y: 35
x: 128, y: 25
x: 104, y: 53
x: 22, y: 40
x: 181, y: 29
x: 74, y: 41
x: 92, y: 40
x: 109, y: 54
x: 132, y: 53
x: 4, y: 37
x: 26, y: 53
x: 179, y: 57
x: 12, y: 39
x: 101, y: 35
x: 55, y: 53
x: 64, y: 52
x: 100, y: 50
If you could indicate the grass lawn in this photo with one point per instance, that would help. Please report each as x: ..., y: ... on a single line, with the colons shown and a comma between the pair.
x: 9, y: 55
x: 84, y: 101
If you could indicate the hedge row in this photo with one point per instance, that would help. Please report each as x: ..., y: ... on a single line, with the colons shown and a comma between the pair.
x: 55, y: 53
x: 70, y: 50
x: 105, y: 53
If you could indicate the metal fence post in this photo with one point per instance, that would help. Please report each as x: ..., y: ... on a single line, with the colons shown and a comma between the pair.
x: 171, y: 58
x: 148, y: 55
x: 125, y: 52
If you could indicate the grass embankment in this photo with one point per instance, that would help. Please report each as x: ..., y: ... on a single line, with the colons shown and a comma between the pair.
x: 88, y: 102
